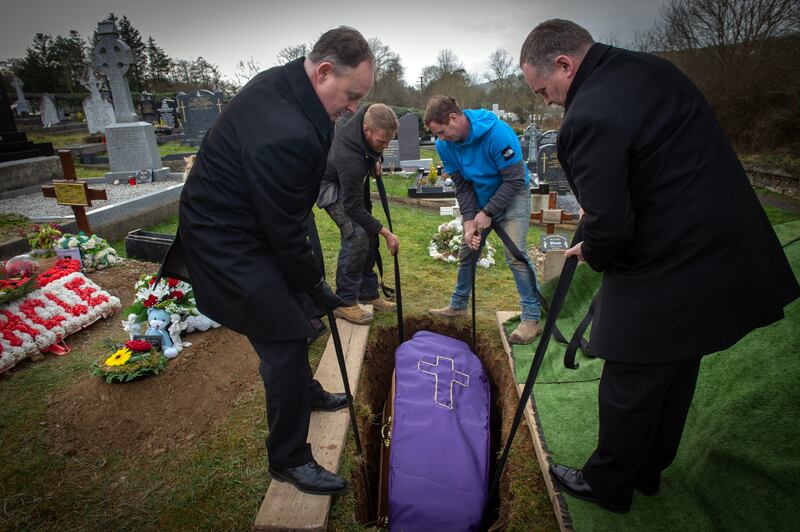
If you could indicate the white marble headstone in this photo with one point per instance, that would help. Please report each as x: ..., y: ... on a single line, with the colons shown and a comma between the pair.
x: 99, y: 111
x: 23, y: 105
x: 47, y: 107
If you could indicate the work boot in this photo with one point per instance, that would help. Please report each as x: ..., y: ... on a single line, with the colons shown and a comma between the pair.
x: 353, y: 314
x: 448, y: 312
x: 525, y: 333
x: 381, y: 305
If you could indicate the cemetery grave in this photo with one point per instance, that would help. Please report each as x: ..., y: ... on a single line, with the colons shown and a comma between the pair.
x: 183, y: 449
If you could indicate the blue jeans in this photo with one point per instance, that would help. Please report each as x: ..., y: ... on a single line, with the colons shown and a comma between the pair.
x: 355, y: 272
x: 515, y: 220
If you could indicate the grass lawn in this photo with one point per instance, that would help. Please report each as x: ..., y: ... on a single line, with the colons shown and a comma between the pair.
x: 59, y: 140
x: 169, y: 148
x: 11, y: 224
x: 218, y: 483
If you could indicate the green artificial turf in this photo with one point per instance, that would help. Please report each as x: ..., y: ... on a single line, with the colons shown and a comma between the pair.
x: 738, y: 467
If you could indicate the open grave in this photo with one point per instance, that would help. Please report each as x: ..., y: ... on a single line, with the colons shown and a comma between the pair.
x: 378, y: 367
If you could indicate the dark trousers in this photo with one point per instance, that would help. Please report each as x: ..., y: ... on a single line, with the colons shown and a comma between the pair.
x: 289, y: 388
x: 643, y: 410
x: 355, y: 272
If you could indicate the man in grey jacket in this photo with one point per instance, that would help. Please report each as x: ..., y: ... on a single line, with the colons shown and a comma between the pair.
x: 354, y: 158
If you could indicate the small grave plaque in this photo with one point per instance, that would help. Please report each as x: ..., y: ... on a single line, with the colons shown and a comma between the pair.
x: 553, y: 242
x: 72, y: 193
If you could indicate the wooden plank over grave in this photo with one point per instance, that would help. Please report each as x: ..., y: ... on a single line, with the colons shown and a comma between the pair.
x: 542, y: 454
x: 284, y: 507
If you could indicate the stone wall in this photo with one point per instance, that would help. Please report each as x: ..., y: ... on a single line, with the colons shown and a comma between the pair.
x: 27, y: 172
x: 775, y: 181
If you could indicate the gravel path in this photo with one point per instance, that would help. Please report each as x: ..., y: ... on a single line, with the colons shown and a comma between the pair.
x: 37, y: 206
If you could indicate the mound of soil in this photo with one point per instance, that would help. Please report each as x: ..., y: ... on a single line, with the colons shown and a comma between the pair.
x: 153, y: 415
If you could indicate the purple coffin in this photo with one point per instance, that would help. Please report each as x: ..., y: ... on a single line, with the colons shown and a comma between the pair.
x: 439, y: 464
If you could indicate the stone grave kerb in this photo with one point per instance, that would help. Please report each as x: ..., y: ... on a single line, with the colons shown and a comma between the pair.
x: 113, y: 58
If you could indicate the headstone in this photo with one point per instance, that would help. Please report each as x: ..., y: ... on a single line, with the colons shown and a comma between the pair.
x: 47, y: 106
x: 497, y: 111
x: 531, y: 142
x: 548, y: 137
x: 166, y: 113
x: 131, y: 144
x: 15, y: 146
x: 23, y: 105
x: 408, y: 137
x: 99, y: 111
x: 549, y: 169
x: 7, y: 123
x: 391, y: 155
x: 147, y: 107
x: 198, y: 110
x: 113, y: 58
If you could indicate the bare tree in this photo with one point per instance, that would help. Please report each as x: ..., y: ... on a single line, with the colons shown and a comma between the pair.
x: 743, y: 55
x: 243, y: 71
x: 502, y: 73
x: 447, y: 62
x: 290, y: 53
x: 717, y: 25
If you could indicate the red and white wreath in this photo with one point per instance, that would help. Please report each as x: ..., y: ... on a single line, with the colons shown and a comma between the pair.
x: 65, y: 302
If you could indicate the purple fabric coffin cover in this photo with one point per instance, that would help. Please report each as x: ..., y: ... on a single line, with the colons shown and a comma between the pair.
x: 439, y: 463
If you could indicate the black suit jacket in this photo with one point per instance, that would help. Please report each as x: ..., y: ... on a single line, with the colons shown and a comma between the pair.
x: 691, y: 263
x: 242, y: 239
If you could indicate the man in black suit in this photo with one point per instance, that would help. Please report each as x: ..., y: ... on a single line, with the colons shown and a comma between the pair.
x: 246, y: 239
x: 672, y: 221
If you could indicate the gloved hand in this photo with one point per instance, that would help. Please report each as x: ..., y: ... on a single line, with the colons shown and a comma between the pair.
x: 324, y: 298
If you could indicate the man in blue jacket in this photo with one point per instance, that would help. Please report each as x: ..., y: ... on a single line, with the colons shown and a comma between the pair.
x: 483, y: 157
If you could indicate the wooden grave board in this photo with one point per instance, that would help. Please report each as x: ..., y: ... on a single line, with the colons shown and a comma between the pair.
x: 542, y: 453
x: 284, y: 507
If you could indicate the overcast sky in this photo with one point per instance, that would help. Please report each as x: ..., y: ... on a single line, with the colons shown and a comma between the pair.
x: 227, y: 31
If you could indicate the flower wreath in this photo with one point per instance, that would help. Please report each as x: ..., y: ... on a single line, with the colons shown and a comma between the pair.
x: 95, y: 251
x: 447, y: 240
x: 172, y: 295
x: 63, y: 302
x: 132, y: 360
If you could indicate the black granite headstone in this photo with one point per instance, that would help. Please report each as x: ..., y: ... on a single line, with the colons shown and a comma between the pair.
x: 408, y: 135
x: 198, y: 110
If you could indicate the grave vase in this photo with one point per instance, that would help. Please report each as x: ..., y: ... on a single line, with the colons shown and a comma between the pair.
x: 45, y: 262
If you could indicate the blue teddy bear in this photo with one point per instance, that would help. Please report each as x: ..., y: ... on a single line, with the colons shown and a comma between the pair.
x: 159, y: 321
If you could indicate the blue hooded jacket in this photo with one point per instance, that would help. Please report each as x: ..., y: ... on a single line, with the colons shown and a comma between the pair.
x: 490, y: 147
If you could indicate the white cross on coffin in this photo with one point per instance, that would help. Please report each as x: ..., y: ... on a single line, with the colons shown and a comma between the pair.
x: 450, y: 377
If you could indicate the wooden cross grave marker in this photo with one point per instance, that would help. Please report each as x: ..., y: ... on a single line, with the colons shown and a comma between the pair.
x: 70, y: 191
x: 552, y: 216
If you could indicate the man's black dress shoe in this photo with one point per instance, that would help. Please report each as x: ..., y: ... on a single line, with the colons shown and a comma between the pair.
x: 647, y: 488
x: 329, y: 402
x: 572, y: 481
x: 310, y: 478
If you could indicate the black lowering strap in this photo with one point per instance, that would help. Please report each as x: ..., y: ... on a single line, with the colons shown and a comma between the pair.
x: 555, y: 308
x: 578, y: 340
x: 517, y: 254
x: 397, y: 292
x: 387, y: 291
